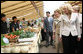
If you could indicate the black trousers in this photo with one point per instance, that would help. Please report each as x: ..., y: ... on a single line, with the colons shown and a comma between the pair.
x: 80, y: 45
x: 43, y: 34
x: 69, y: 43
x: 49, y: 34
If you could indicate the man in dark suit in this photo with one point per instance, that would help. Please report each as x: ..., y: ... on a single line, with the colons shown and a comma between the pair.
x: 4, y: 29
x: 48, y: 28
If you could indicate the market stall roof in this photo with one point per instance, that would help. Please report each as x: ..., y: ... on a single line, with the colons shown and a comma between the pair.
x: 79, y: 3
x: 22, y: 9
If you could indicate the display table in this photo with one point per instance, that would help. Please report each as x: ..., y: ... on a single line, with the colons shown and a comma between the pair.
x: 30, y: 46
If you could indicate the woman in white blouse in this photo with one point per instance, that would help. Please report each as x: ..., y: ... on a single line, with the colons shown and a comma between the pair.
x: 69, y: 29
x: 76, y: 9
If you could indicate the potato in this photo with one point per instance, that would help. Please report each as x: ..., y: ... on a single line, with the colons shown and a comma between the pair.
x: 16, y: 49
x: 24, y: 49
x: 7, y: 50
x: 2, y: 50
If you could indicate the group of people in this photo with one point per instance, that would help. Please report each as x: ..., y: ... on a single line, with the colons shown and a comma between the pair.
x: 14, y: 25
x: 63, y: 29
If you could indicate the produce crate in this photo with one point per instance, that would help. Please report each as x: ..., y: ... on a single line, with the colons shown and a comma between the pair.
x: 17, y: 48
x: 28, y: 39
x: 34, y: 49
x: 11, y: 40
x: 14, y: 40
x: 28, y: 47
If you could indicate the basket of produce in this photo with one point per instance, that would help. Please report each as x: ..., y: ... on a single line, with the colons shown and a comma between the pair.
x: 26, y: 34
x: 11, y: 37
x: 14, y: 36
x: 17, y: 33
x: 23, y: 37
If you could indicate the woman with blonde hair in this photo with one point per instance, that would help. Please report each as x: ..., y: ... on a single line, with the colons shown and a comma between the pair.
x: 76, y: 9
x: 69, y: 29
x: 56, y: 30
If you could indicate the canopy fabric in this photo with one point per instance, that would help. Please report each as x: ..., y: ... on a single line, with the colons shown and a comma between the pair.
x: 22, y: 9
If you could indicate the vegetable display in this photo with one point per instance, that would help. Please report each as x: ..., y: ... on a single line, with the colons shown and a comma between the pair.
x: 10, y: 36
x: 7, y: 50
x: 27, y: 34
x: 24, y: 49
x: 26, y: 45
x: 18, y: 32
x: 15, y: 49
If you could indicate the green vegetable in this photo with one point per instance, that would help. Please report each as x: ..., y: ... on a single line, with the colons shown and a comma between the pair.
x: 30, y: 34
x: 23, y: 35
x: 11, y: 33
x: 18, y: 32
x: 27, y: 34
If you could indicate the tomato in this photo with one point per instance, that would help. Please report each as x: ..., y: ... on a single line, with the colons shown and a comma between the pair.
x: 8, y: 36
x: 14, y: 35
x: 11, y: 35
x: 5, y: 35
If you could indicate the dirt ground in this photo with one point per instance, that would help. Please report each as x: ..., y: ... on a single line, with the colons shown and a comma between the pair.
x: 49, y: 49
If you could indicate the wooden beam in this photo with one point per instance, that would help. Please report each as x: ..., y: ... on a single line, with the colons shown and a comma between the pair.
x: 41, y: 11
x: 76, y: 3
x: 36, y: 1
x: 16, y: 7
x: 34, y: 5
x: 22, y: 12
x: 12, y: 5
x: 31, y: 15
x: 9, y: 4
x: 21, y: 9
x: 39, y: 3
